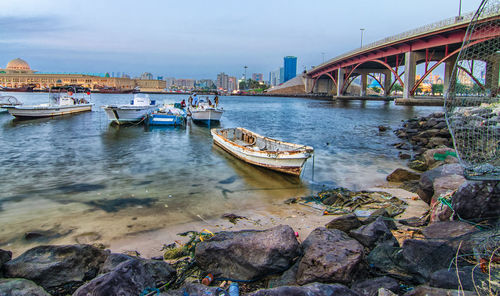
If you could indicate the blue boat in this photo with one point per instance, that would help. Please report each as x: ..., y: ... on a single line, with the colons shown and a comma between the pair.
x: 168, y: 115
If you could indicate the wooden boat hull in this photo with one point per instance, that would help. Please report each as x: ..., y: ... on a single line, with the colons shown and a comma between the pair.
x: 37, y: 112
x: 206, y: 115
x: 165, y: 119
x: 288, y: 162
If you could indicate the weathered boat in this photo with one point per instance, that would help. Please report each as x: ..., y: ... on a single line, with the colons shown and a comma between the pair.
x: 168, y: 115
x: 62, y: 100
x: 6, y: 101
x: 261, y: 151
x: 138, y: 109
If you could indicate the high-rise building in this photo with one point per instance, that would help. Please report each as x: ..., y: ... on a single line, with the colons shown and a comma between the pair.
x: 276, y: 77
x: 146, y: 76
x: 258, y: 77
x: 222, y: 81
x: 290, y: 68
x: 232, y: 84
x: 170, y: 81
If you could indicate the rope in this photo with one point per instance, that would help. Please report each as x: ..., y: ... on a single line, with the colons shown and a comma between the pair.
x: 148, y: 291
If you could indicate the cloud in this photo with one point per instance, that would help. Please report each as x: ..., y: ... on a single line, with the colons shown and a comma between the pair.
x: 19, y: 27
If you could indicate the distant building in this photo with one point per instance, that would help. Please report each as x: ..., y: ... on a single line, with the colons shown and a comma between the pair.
x: 276, y: 77
x: 222, y: 81
x: 205, y: 83
x: 147, y: 76
x: 19, y: 74
x: 290, y: 67
x: 258, y: 77
x: 170, y: 81
x: 232, y: 84
x: 185, y: 83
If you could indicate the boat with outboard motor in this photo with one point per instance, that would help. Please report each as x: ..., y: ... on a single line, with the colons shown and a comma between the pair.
x: 62, y: 100
x: 262, y: 151
x: 138, y: 109
x: 8, y: 101
x: 203, y: 110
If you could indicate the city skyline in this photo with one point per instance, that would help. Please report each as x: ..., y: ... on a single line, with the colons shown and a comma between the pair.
x: 198, y: 39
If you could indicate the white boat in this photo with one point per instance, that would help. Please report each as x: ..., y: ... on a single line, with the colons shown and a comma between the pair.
x: 258, y: 150
x: 138, y: 109
x: 8, y: 101
x: 62, y: 100
x: 204, y: 110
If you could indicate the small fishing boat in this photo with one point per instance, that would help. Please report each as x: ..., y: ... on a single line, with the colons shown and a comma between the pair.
x: 261, y: 151
x: 203, y: 110
x: 62, y: 100
x: 168, y: 115
x: 138, y: 109
x: 8, y: 101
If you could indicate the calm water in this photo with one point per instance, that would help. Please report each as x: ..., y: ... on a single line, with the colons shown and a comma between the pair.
x: 76, y: 176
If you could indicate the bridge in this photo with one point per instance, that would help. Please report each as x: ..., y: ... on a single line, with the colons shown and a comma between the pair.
x: 395, y: 58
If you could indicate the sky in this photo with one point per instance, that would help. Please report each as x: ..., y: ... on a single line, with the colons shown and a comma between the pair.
x: 199, y: 38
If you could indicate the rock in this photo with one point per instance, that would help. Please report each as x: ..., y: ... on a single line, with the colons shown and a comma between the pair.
x: 329, y: 256
x: 374, y: 233
x: 248, y: 254
x: 401, y: 175
x: 128, y: 278
x: 428, y: 291
x: 193, y: 289
x: 478, y: 200
x: 426, y: 184
x: 443, y: 186
x: 418, y: 165
x: 437, y: 142
x: 371, y: 287
x: 4, y: 257
x: 58, y: 269
x: 414, y: 262
x: 20, y: 287
x: 315, y: 289
x: 402, y: 155
x: 160, y: 271
x: 447, y: 229
x: 381, y: 213
x: 288, y: 278
x: 344, y: 223
x: 112, y: 261
x: 382, y: 128
x: 447, y: 279
x: 429, y: 155
x: 385, y: 292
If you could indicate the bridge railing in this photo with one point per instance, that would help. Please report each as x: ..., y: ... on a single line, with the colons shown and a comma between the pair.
x: 492, y: 11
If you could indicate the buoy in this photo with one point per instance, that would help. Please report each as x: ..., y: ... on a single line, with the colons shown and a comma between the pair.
x: 234, y: 289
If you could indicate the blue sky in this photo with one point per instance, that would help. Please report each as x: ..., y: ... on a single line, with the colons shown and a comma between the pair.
x: 200, y: 38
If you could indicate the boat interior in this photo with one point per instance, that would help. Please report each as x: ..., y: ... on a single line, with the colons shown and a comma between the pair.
x: 256, y: 142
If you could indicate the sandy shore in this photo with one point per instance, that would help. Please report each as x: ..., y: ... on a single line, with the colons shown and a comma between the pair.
x: 302, y: 219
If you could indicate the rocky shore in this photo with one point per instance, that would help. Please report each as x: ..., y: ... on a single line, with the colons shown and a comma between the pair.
x: 366, y: 248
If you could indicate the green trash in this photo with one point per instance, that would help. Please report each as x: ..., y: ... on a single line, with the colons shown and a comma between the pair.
x: 442, y: 156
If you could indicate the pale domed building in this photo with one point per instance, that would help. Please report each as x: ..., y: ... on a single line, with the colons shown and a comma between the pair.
x: 18, y: 74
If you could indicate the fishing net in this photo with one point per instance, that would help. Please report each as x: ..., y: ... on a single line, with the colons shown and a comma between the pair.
x: 472, y: 103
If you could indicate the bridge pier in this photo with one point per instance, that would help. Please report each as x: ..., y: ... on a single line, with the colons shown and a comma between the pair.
x: 340, y: 81
x: 387, y: 83
x: 410, y: 72
x: 492, y: 75
x: 448, y: 71
x: 364, y: 84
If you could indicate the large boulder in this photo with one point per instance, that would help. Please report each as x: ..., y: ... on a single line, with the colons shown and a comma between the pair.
x: 374, y: 233
x: 20, y: 287
x: 478, y: 200
x: 4, y: 257
x: 193, y: 289
x: 329, y: 256
x: 402, y: 175
x: 344, y: 223
x: 426, y: 184
x: 112, y: 261
x: 448, y: 279
x: 370, y: 287
x: 248, y: 254
x: 429, y: 291
x: 315, y: 289
x: 414, y: 262
x: 447, y: 229
x: 58, y: 269
x: 128, y: 278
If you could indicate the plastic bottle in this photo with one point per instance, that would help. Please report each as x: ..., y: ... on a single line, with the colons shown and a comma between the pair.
x: 208, y: 279
x: 234, y: 289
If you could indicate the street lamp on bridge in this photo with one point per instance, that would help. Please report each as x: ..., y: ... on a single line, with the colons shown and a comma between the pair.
x: 362, y: 30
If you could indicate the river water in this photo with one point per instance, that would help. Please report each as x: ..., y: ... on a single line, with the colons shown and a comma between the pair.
x: 80, y: 179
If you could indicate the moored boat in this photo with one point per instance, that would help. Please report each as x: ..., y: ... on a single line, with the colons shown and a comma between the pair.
x: 168, y: 115
x: 204, y: 110
x: 138, y: 109
x: 62, y: 100
x: 261, y: 151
